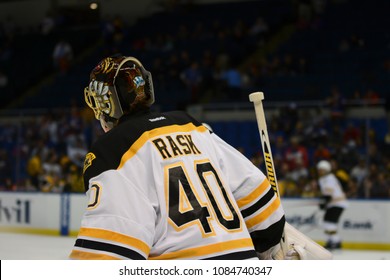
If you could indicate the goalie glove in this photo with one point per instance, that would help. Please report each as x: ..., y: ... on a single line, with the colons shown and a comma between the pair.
x: 276, y: 253
x: 296, y: 246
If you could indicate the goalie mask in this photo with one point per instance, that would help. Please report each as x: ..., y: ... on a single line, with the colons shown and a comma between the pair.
x: 118, y: 85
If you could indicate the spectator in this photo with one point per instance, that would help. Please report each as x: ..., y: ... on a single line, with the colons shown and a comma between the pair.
x: 119, y: 30
x: 296, y: 156
x: 5, y: 170
x: 62, y: 56
x: 352, y: 135
x: 381, y: 188
x: 374, y: 154
x: 74, y: 180
x: 371, y: 97
x: 76, y: 151
x: 368, y: 183
x: 192, y: 78
x: 359, y: 172
x: 257, y: 159
x: 353, y: 189
x: 259, y: 28
x: 376, y: 184
x: 52, y: 183
x: 336, y: 104
x: 232, y: 83
x: 48, y: 24
x: 321, y: 152
x: 34, y: 170
x: 310, y: 189
x: 51, y: 166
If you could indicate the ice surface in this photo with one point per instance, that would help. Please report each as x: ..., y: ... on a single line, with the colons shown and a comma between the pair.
x: 44, y: 247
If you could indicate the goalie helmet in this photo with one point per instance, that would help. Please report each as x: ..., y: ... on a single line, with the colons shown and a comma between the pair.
x: 118, y: 85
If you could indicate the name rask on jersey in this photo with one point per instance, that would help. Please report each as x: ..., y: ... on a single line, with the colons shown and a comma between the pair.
x: 175, y: 145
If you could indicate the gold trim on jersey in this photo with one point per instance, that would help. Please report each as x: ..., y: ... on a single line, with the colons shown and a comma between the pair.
x: 206, y: 250
x: 264, y: 214
x: 147, y: 135
x: 115, y: 237
x: 80, y: 255
x: 254, y: 195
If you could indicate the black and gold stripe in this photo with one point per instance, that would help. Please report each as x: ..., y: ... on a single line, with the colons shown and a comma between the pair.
x: 258, y: 207
x: 259, y: 204
x: 99, y: 246
x: 106, y: 243
x: 234, y: 249
x: 243, y: 255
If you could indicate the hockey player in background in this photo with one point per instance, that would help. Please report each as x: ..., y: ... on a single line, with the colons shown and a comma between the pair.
x: 163, y: 186
x: 333, y: 201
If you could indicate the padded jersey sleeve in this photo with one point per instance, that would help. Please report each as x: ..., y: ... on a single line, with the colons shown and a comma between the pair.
x: 259, y: 205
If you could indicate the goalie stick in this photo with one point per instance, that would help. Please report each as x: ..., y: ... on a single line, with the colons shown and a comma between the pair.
x: 257, y: 98
x: 292, y: 239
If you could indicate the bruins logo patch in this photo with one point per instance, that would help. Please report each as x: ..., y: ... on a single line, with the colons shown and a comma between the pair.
x: 88, y: 161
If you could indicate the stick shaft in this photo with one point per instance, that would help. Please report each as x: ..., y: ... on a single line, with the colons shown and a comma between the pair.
x: 257, y: 99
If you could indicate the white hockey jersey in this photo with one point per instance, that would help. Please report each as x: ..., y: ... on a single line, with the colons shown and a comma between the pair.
x: 331, y: 186
x: 162, y: 186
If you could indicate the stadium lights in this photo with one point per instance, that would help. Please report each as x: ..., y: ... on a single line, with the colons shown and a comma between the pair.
x: 93, y: 5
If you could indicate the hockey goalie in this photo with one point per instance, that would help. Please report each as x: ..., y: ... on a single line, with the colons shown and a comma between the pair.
x: 161, y: 185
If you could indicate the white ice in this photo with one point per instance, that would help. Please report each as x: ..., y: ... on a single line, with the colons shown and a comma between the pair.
x: 44, y: 247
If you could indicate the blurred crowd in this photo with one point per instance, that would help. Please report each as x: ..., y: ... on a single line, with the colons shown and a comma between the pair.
x: 358, y: 152
x: 194, y: 58
x: 46, y: 152
x: 201, y: 62
x: 193, y: 62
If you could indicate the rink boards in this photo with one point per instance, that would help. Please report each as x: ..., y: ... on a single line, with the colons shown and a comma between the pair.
x: 364, y: 225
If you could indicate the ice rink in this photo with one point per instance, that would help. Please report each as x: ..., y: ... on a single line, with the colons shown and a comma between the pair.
x: 43, y: 247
